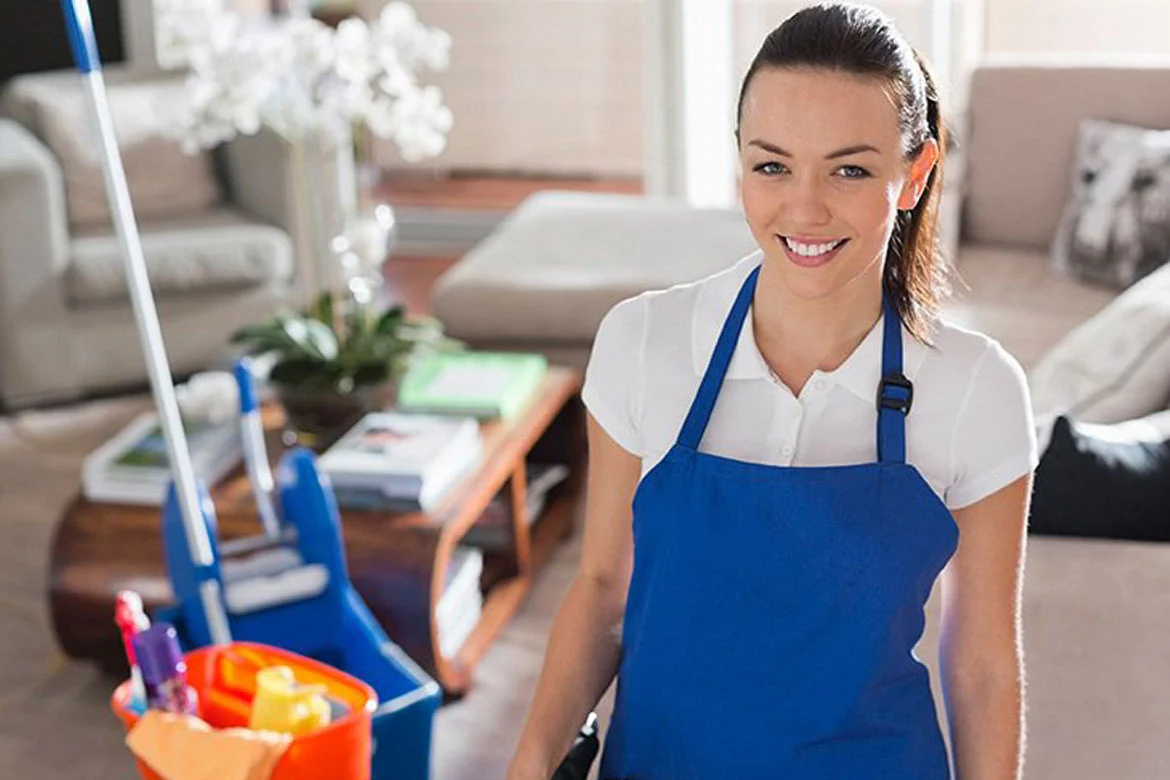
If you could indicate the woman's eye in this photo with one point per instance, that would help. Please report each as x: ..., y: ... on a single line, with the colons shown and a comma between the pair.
x: 850, y: 171
x: 762, y: 166
x: 855, y: 172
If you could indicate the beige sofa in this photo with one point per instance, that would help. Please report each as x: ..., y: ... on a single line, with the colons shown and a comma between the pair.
x: 547, y: 275
x: 66, y: 326
x: 1096, y: 652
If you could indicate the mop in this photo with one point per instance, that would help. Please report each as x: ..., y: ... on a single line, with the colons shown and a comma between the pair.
x: 265, y: 607
x: 79, y: 26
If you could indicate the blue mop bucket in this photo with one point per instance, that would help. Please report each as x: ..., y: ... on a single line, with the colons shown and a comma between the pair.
x: 407, y: 699
x: 401, y: 726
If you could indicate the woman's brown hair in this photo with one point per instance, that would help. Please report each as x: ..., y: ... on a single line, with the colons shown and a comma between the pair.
x: 861, y: 40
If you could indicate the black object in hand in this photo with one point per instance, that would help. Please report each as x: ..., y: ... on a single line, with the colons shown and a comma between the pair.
x: 578, y: 762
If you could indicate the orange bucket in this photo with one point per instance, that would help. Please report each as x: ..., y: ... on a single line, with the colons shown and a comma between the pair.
x: 225, y: 679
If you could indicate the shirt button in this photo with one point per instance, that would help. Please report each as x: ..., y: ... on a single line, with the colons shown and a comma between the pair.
x: 786, y: 449
x: 820, y: 384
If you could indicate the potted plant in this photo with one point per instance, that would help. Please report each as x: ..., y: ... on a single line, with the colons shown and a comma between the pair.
x: 333, y: 363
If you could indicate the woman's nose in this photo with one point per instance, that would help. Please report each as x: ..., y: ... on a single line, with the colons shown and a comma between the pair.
x: 806, y: 203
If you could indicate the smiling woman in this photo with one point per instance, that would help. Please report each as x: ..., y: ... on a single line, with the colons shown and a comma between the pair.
x: 785, y: 455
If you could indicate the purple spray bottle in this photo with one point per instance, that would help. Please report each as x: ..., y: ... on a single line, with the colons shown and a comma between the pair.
x: 164, y: 672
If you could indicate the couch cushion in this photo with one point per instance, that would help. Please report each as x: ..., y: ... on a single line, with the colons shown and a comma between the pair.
x: 561, y: 260
x: 1111, y: 481
x: 163, y: 180
x: 1116, y: 365
x: 1115, y: 228
x: 1024, y: 115
x: 1017, y: 298
x: 215, y: 251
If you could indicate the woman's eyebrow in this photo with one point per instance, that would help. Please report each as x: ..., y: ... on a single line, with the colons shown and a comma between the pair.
x: 848, y: 150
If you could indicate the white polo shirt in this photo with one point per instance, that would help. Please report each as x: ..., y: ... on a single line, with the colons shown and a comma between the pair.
x: 969, y: 433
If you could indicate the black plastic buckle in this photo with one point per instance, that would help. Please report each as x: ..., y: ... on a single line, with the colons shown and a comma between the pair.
x: 885, y: 401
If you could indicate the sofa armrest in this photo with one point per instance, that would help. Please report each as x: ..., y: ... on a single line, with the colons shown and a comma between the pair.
x: 34, y: 233
x: 35, y: 360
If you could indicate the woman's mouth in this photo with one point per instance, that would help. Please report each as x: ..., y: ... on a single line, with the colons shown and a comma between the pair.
x: 812, y: 254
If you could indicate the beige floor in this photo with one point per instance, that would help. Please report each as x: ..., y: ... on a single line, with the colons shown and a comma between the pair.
x: 1094, y: 619
x: 54, y: 720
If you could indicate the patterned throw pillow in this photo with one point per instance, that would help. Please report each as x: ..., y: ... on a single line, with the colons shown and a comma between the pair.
x: 1115, y: 227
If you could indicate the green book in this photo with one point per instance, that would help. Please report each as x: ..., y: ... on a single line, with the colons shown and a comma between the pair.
x: 478, y: 384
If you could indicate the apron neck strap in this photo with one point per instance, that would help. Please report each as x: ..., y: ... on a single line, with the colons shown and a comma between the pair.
x: 700, y: 413
x: 895, y: 393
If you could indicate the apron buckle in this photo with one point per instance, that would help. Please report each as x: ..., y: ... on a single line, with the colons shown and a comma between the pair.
x: 903, y: 393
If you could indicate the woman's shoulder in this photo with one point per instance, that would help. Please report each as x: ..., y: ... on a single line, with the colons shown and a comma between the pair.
x: 973, y: 357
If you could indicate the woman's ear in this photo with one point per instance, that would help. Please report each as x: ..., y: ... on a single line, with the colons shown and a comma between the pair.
x: 919, y: 172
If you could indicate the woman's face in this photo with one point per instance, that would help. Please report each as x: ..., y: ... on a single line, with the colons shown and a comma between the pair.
x: 823, y: 175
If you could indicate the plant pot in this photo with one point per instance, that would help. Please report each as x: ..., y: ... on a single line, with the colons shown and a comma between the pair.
x: 316, y: 418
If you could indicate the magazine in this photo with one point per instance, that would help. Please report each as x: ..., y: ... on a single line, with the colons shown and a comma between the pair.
x: 134, y: 466
x: 401, y: 462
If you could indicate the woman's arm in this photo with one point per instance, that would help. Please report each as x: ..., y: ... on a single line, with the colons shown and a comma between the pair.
x: 583, y: 650
x: 981, y: 645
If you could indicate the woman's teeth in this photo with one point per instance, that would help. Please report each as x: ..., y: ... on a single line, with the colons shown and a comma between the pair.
x: 812, y: 250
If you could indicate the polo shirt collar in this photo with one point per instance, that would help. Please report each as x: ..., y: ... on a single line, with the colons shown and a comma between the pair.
x: 859, y: 374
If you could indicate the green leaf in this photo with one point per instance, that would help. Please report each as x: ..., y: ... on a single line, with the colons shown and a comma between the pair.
x: 390, y: 320
x: 264, y: 337
x: 311, y: 337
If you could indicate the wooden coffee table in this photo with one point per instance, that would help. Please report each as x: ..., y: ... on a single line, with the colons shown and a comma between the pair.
x: 397, y: 561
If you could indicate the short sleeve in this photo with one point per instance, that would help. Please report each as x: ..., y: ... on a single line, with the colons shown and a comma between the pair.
x: 612, y: 389
x: 994, y: 438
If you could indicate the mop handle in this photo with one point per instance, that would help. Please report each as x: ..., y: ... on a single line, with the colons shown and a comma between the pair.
x: 79, y: 27
x: 255, y: 453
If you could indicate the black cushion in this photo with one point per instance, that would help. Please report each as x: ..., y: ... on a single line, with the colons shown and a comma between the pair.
x: 1089, y: 485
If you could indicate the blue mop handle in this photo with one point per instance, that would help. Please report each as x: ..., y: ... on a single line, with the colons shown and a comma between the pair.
x: 79, y: 27
x: 255, y: 453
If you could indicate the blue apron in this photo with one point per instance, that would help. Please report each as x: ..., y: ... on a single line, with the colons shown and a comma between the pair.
x: 773, y: 611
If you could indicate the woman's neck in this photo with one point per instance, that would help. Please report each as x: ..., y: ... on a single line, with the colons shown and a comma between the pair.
x: 797, y: 335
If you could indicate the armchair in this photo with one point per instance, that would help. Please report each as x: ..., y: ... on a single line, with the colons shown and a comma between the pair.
x: 66, y: 325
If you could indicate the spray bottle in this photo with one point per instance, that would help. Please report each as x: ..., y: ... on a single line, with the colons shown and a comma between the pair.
x: 164, y: 672
x: 132, y: 620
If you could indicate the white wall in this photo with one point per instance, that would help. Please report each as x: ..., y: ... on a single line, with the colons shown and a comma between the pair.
x: 537, y: 86
x: 555, y: 86
x: 1079, y: 26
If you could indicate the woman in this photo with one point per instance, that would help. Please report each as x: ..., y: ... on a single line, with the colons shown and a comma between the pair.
x: 785, y: 455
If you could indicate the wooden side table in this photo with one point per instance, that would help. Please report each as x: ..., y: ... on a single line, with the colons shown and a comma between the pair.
x: 397, y: 561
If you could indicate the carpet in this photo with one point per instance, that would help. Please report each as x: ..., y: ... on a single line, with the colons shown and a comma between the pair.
x: 55, y: 721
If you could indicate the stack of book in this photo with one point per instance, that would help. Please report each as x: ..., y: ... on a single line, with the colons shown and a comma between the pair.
x: 401, y: 462
x: 461, y: 604
x: 134, y: 467
x: 493, y: 531
x: 484, y: 385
